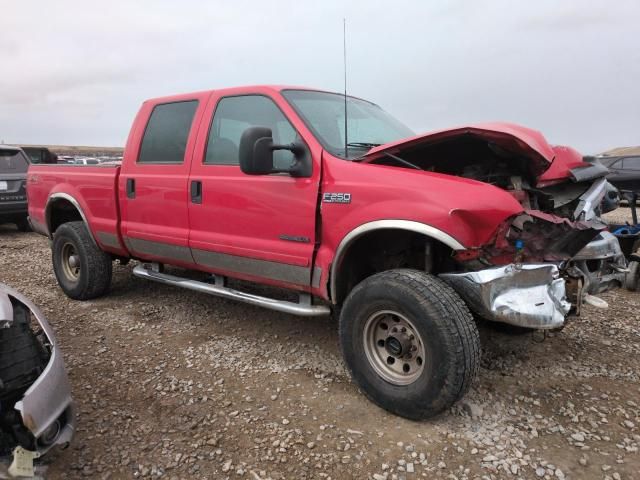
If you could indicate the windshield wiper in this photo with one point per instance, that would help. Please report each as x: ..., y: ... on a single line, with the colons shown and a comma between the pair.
x: 402, y: 161
x: 363, y: 144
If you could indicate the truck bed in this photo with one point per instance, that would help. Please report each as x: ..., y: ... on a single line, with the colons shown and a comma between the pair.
x: 93, y: 187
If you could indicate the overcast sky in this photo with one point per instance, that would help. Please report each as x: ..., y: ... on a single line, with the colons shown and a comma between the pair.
x: 75, y: 72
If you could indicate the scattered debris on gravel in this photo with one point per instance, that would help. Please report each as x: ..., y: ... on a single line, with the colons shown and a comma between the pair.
x: 175, y: 384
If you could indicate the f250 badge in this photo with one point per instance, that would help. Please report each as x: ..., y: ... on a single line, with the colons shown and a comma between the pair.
x: 336, y: 198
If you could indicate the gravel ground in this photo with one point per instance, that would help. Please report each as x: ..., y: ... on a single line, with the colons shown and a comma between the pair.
x: 176, y: 384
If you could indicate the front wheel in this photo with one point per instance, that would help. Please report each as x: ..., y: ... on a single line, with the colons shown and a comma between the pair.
x: 82, y: 269
x: 410, y: 342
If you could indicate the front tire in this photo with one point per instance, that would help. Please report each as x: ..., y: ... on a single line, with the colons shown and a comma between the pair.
x: 410, y: 342
x: 82, y: 269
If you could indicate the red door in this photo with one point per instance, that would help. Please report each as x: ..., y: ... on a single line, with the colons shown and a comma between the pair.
x: 153, y: 186
x: 256, y: 227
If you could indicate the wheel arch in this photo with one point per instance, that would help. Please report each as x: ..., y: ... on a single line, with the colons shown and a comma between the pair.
x: 337, y: 288
x: 61, y: 208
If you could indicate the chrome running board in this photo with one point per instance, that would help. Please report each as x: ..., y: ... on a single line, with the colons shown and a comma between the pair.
x: 303, y: 308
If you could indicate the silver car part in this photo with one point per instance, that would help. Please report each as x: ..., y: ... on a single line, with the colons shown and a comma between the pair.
x: 531, y: 295
x: 46, y: 407
x: 602, y: 264
x: 394, y: 348
x: 302, y: 308
x: 590, y: 200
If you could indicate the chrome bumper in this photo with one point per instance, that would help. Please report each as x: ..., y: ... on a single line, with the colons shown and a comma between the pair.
x: 46, y: 407
x: 530, y: 295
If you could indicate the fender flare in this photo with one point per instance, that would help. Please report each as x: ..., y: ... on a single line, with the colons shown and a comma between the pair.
x: 407, y: 225
x: 64, y: 196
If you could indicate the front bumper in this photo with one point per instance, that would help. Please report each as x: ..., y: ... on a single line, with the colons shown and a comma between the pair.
x: 13, y: 209
x: 530, y: 295
x: 46, y: 407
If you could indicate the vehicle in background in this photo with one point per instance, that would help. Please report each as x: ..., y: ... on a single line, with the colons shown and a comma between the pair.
x: 66, y: 159
x: 39, y: 155
x: 36, y: 409
x: 401, y: 235
x: 624, y: 171
x: 86, y: 161
x: 14, y: 164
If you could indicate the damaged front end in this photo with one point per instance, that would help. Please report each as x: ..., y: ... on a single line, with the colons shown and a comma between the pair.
x: 36, y: 409
x: 542, y: 264
x: 531, y: 296
x: 549, y: 257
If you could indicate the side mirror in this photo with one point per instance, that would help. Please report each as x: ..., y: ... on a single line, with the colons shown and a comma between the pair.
x: 256, y: 154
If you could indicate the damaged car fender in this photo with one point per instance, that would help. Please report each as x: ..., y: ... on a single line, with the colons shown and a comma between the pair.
x: 36, y: 407
x: 531, y: 296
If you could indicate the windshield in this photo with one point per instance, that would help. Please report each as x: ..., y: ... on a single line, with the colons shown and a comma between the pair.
x: 12, y: 161
x: 368, y: 125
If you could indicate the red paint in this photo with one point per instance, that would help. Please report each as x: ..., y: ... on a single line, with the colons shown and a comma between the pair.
x: 509, y: 136
x: 245, y: 215
x: 566, y: 158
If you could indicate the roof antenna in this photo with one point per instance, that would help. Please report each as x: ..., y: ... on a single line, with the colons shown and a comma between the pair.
x: 344, y: 51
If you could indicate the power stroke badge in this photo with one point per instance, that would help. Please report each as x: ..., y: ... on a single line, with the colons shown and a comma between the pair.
x: 336, y: 198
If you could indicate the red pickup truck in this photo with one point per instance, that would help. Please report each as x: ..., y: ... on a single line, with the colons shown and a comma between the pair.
x: 401, y: 235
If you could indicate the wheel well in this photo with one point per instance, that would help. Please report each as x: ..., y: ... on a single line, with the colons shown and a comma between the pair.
x: 61, y: 211
x: 386, y: 249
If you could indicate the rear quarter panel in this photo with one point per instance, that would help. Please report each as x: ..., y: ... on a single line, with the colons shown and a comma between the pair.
x: 93, y: 187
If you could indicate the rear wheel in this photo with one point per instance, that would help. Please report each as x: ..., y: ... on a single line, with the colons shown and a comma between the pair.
x: 410, y: 342
x: 82, y: 269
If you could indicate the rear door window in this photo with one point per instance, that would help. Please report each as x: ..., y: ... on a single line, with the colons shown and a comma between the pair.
x: 13, y: 161
x: 165, y: 138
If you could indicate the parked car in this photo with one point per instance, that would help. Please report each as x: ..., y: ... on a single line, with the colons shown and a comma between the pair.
x: 624, y: 171
x: 36, y: 409
x: 65, y: 159
x: 86, y: 161
x: 400, y: 235
x: 13, y: 176
x: 39, y: 154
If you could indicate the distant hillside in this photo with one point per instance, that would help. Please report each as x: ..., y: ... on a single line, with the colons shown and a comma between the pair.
x: 617, y: 152
x: 83, y: 150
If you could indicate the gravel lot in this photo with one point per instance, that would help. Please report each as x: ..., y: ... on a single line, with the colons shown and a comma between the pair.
x: 176, y: 384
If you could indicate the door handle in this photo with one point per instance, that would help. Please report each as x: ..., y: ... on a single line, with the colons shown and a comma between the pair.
x: 196, y: 191
x: 131, y: 188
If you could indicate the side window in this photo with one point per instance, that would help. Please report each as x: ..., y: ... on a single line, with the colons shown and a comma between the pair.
x: 165, y: 138
x: 632, y: 163
x: 233, y: 116
x: 618, y: 164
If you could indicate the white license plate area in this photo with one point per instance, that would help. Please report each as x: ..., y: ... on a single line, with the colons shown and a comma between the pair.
x: 3, y: 186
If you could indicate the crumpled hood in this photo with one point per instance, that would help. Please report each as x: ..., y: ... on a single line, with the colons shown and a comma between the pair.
x: 514, y: 138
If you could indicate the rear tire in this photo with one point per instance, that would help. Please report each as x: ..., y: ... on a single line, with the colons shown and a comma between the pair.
x: 388, y: 322
x: 82, y: 269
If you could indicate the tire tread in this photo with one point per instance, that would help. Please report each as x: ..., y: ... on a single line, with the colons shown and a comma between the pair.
x: 98, y: 264
x: 463, y: 338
